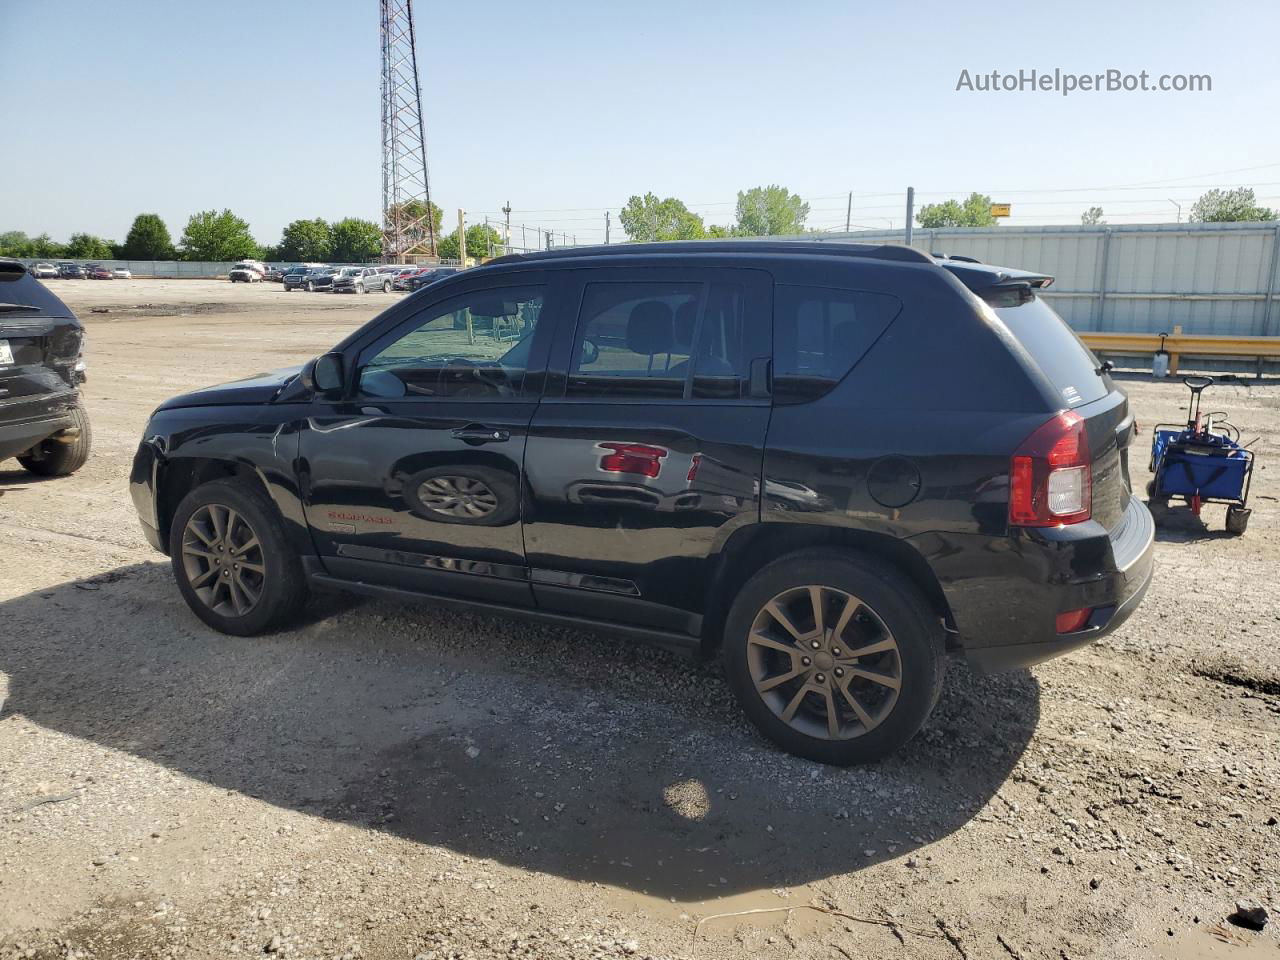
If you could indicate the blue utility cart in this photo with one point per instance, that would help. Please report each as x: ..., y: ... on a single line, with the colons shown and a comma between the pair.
x: 1201, y: 462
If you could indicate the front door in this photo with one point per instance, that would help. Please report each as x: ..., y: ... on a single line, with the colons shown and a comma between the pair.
x: 645, y: 454
x: 414, y: 479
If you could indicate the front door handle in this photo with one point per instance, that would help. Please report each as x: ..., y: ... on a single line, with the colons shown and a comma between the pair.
x: 479, y: 433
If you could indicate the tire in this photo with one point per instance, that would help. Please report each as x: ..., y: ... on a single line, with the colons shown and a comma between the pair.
x: 360, y: 288
x: 386, y: 287
x: 250, y: 600
x: 1237, y: 520
x: 57, y: 458
x: 889, y: 618
x: 311, y: 287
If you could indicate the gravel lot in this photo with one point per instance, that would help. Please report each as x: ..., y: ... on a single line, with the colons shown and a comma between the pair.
x: 400, y: 782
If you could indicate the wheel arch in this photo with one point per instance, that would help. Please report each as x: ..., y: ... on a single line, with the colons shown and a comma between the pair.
x: 178, y: 477
x: 753, y: 547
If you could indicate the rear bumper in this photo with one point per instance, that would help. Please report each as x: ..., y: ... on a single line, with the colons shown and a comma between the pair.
x: 17, y: 436
x: 1009, y: 622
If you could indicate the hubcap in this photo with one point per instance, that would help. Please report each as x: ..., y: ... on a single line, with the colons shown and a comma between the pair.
x: 465, y: 497
x: 223, y: 561
x: 824, y: 662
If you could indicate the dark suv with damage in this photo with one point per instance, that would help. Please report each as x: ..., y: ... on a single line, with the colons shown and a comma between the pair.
x: 835, y: 465
x: 42, y: 420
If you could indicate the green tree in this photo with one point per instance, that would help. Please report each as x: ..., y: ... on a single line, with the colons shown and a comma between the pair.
x: 307, y: 240
x: 1220, y: 206
x: 718, y: 231
x: 148, y: 239
x: 211, y: 235
x: 648, y: 218
x: 479, y: 237
x: 1092, y: 217
x: 770, y: 211
x: 413, y: 211
x: 85, y: 246
x: 356, y: 240
x: 974, y: 211
x: 14, y: 243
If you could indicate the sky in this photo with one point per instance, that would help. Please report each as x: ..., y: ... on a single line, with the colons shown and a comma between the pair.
x: 566, y: 109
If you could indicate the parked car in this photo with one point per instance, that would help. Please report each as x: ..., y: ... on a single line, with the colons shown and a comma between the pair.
x: 400, y: 276
x: 360, y: 280
x: 274, y: 274
x: 122, y: 273
x: 428, y: 275
x: 96, y: 271
x: 44, y: 271
x: 71, y: 271
x: 832, y: 464
x: 320, y: 278
x: 294, y: 277
x: 245, y: 272
x: 42, y: 418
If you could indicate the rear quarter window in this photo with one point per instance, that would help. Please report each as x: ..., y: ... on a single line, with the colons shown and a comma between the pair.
x: 820, y: 333
x: 1067, y: 363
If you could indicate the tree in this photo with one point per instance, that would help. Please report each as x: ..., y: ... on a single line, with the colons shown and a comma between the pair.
x: 307, y: 240
x: 1220, y: 206
x: 479, y: 237
x: 648, y: 218
x: 414, y: 210
x: 718, y: 232
x: 1092, y: 217
x: 85, y: 246
x: 15, y: 243
x: 356, y: 240
x: 148, y: 239
x: 771, y: 210
x: 975, y: 211
x: 211, y: 235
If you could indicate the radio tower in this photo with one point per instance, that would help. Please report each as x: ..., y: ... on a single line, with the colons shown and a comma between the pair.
x: 406, y: 196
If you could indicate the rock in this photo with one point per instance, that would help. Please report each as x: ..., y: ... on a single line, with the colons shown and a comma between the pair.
x: 1249, y: 914
x: 913, y: 862
x: 1095, y: 883
x: 274, y: 945
x: 473, y: 752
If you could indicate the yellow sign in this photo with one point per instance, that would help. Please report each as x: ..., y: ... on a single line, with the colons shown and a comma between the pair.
x: 1000, y: 209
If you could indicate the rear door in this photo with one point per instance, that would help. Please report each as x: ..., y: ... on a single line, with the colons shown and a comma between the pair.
x: 645, y: 453
x: 414, y: 479
x: 1084, y: 388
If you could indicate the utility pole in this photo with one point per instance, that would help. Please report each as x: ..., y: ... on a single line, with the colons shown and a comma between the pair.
x: 848, y: 213
x: 911, y: 212
x: 1179, y: 206
x: 462, y: 238
x: 606, y: 226
x: 548, y: 239
x: 507, y: 230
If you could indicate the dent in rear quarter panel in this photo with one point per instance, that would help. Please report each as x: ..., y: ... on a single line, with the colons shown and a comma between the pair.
x: 261, y: 439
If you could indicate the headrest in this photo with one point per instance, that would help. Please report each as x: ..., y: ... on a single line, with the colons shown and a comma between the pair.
x: 649, y: 328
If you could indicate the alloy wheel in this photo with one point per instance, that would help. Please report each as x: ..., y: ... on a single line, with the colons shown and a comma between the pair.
x: 824, y: 662
x: 463, y: 497
x: 222, y: 558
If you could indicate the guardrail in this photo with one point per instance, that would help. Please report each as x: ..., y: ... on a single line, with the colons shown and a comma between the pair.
x: 1178, y: 344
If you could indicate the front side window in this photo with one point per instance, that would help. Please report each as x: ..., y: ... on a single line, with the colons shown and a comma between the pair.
x: 660, y: 340
x: 475, y: 346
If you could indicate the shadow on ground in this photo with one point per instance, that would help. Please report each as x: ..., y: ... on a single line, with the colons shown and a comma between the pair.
x: 548, y: 749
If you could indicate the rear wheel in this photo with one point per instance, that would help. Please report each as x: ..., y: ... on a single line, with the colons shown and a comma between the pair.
x: 834, y: 657
x: 233, y: 561
x: 386, y: 286
x: 311, y: 287
x: 1237, y: 520
x: 62, y: 454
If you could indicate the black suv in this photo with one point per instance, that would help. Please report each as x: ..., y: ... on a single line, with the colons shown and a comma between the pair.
x: 42, y: 421
x: 835, y: 463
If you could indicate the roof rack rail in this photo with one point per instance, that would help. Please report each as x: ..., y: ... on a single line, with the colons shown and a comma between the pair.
x: 884, y: 251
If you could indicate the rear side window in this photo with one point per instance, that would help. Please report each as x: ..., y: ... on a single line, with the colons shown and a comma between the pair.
x: 660, y: 340
x: 820, y: 333
x: 1070, y: 366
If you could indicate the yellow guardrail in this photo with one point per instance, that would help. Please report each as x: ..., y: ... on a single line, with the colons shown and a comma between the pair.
x: 1179, y: 343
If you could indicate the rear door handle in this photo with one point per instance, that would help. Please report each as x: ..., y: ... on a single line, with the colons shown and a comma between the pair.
x: 479, y: 433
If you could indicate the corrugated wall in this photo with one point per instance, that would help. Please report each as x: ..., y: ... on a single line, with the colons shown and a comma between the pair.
x: 1212, y: 278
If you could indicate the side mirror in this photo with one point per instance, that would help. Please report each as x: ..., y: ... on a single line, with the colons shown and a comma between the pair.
x: 327, y: 373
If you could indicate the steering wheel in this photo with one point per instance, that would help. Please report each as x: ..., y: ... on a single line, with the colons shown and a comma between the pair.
x: 482, y: 386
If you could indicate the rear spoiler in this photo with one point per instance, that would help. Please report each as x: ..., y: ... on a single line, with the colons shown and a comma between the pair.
x: 998, y: 286
x: 11, y: 270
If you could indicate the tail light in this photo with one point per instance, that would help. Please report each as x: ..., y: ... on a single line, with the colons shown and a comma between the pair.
x: 1073, y: 620
x: 632, y: 458
x: 1050, y: 482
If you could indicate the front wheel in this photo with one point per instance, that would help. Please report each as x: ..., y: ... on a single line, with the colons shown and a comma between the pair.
x: 386, y: 287
x: 833, y: 656
x: 62, y: 454
x: 1237, y: 520
x: 311, y: 287
x: 233, y: 561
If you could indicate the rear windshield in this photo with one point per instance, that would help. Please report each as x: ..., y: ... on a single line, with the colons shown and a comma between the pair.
x: 1070, y: 366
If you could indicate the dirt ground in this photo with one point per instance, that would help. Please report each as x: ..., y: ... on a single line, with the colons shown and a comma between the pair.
x: 393, y: 781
